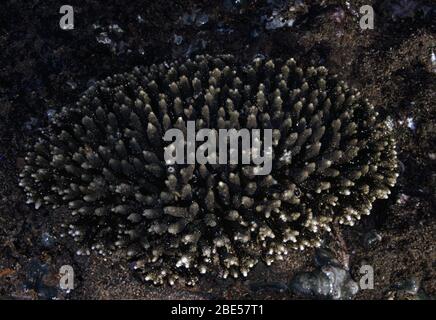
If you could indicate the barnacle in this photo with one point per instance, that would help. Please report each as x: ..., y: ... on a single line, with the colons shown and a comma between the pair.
x: 103, y: 158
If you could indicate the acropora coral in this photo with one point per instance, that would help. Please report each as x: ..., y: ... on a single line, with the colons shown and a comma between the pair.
x: 103, y: 159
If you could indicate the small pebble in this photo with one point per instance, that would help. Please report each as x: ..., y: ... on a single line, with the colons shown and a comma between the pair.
x: 371, y: 238
x: 201, y: 20
x: 338, y: 15
x: 410, y: 286
x: 178, y: 40
x: 140, y: 19
x: 72, y: 85
x: 411, y: 124
x: 188, y: 18
x: 31, y: 124
x: 47, y: 240
x: 50, y: 113
x: 115, y: 28
x: 103, y: 38
x: 403, y: 198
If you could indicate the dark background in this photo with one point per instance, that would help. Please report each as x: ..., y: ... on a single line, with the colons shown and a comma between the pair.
x: 43, y: 68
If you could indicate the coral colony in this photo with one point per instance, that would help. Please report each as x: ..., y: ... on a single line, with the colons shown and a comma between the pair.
x: 104, y: 160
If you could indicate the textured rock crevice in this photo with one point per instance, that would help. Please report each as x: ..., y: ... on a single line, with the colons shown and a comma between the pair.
x: 103, y: 159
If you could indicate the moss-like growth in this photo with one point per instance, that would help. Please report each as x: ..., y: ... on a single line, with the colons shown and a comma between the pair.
x: 104, y: 159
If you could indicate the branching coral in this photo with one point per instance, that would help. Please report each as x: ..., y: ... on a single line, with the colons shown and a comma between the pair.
x: 104, y: 159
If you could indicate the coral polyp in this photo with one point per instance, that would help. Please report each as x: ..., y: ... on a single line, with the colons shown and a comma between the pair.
x: 103, y: 159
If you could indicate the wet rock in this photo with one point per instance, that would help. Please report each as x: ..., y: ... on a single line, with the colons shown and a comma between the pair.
x: 338, y: 15
x: 201, y: 19
x: 91, y: 83
x: 371, y: 238
x: 71, y: 85
x: 115, y: 29
x: 31, y: 124
x: 422, y: 295
x: 114, y: 38
x: 35, y: 270
x: 47, y: 240
x: 410, y: 286
x: 103, y: 38
x: 342, y: 286
x: 140, y: 19
x: 407, y: 9
x: 188, y: 18
x: 275, y: 287
x: 196, y: 46
x: 433, y: 62
x: 254, y: 33
x: 277, y: 22
x: 222, y: 28
x: 50, y: 113
x: 402, y: 167
x: 195, y: 17
x: 39, y: 279
x: 325, y: 257
x: 259, y: 56
x: 178, y: 40
x: 309, y: 284
x: 411, y: 123
x: 235, y: 6
x: 329, y: 282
